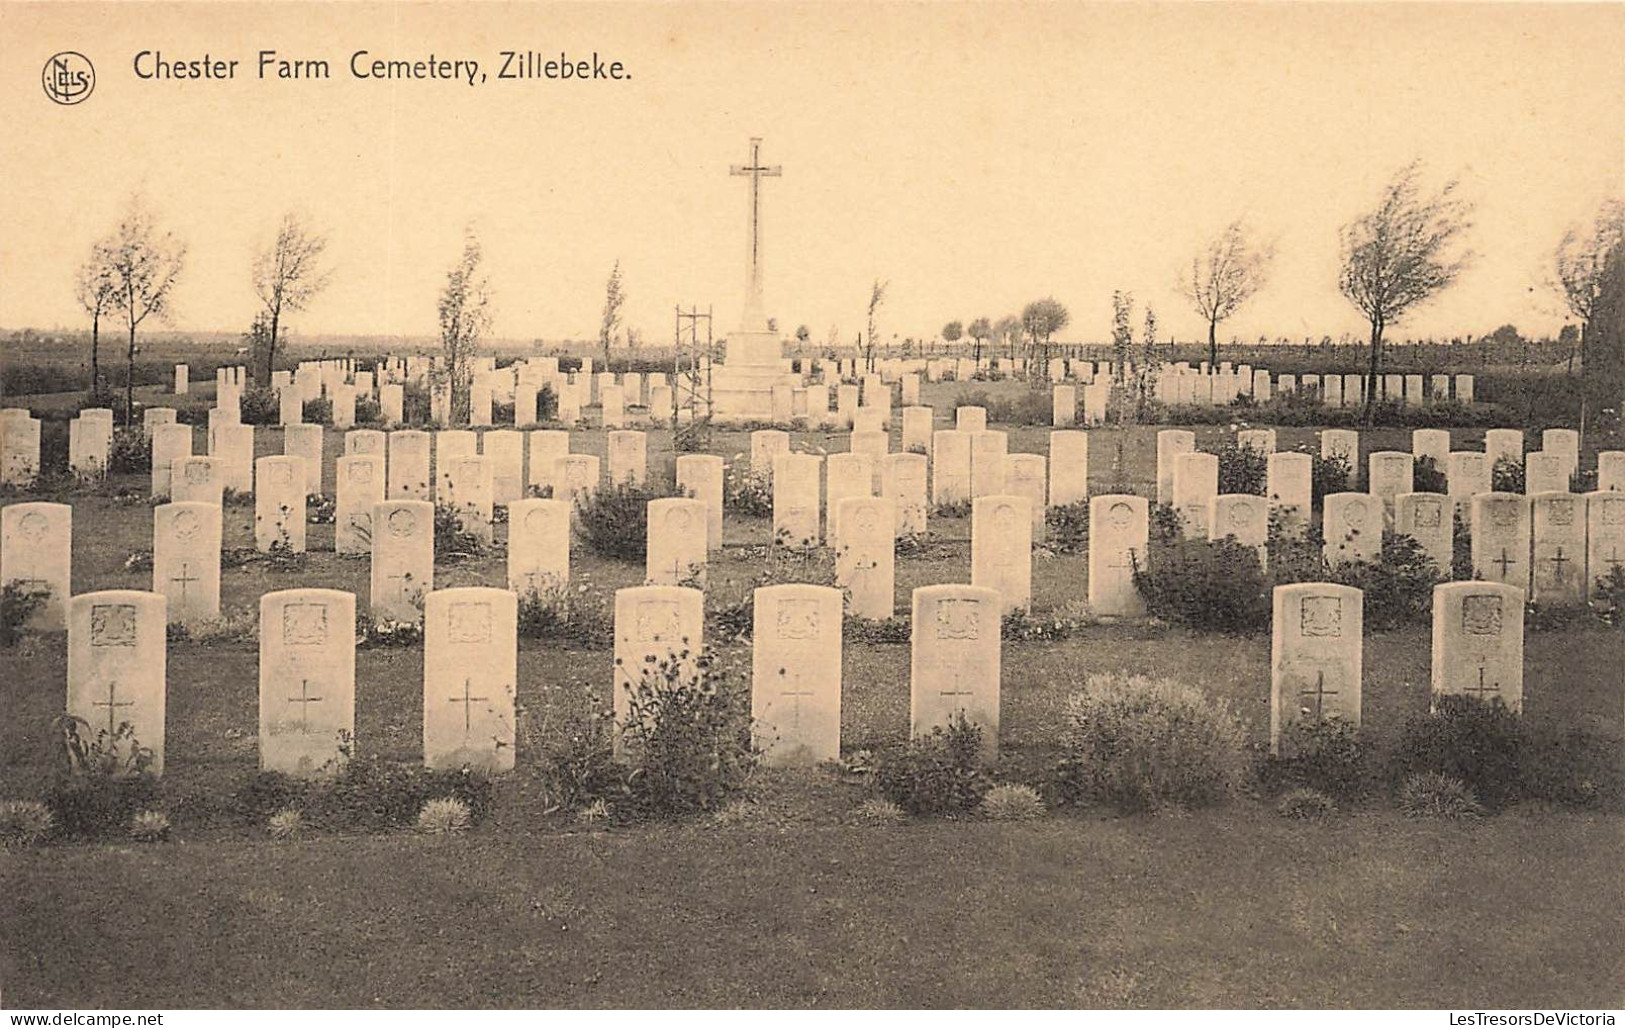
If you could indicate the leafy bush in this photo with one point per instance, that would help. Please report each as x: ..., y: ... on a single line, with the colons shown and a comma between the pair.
x: 937, y: 773
x: 18, y: 602
x: 24, y: 823
x: 1398, y: 585
x: 1306, y: 805
x: 746, y: 492
x: 569, y: 614
x: 1468, y: 739
x: 1329, y: 475
x: 579, y: 767
x: 370, y: 793
x: 444, y: 815
x: 1427, y: 477
x: 1012, y: 803
x: 130, y: 452
x: 1327, y: 756
x: 1067, y: 527
x: 1242, y: 469
x: 1461, y: 549
x: 104, y: 779
x: 613, y: 521
x: 368, y: 411
x: 1431, y: 794
x: 259, y: 406
x: 1215, y: 586
x: 1507, y: 475
x: 451, y: 540
x: 1139, y: 744
x: 318, y: 411
x: 687, y: 732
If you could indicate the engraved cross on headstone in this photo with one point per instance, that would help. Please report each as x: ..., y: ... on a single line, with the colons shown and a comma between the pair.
x: 468, y: 701
x: 1504, y: 560
x: 184, y: 577
x: 112, y: 707
x: 1558, y: 560
x: 1319, y: 692
x: 794, y: 696
x: 1481, y: 688
x: 304, y: 699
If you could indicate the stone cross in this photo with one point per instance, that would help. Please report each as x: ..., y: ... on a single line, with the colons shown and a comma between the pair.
x: 754, y: 318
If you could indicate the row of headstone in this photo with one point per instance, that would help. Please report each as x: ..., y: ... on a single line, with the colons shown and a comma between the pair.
x: 1180, y: 384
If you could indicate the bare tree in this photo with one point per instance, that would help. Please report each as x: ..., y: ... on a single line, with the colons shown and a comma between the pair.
x: 287, y: 275
x: 1225, y: 277
x: 614, y: 297
x: 1008, y: 328
x: 465, y: 316
x: 1401, y: 254
x: 979, y: 330
x: 144, y: 264
x: 877, y: 296
x: 1582, y: 263
x: 97, y: 290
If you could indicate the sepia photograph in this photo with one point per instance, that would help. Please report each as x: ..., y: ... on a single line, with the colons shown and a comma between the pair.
x: 812, y: 506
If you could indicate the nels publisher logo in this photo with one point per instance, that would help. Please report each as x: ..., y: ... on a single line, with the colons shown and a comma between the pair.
x: 68, y: 77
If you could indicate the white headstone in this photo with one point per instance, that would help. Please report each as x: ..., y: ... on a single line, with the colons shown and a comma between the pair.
x: 116, y: 669
x: 954, y: 663
x: 547, y: 445
x: 307, y: 680
x: 408, y: 466
x: 1478, y: 642
x: 1068, y: 467
x: 1545, y: 473
x: 1026, y: 474
x: 538, y: 544
x: 1501, y: 538
x: 1118, y: 533
x: 186, y: 559
x: 950, y: 468
x: 796, y: 674
x: 795, y: 499
x: 1316, y: 656
x: 1605, y: 536
x: 970, y: 419
x: 903, y: 481
x: 402, y: 559
x: 1001, y: 549
x: 987, y: 453
x: 846, y: 475
x: 628, y: 458
x: 655, y: 625
x: 1559, y: 537
x: 1289, y: 482
x: 865, y: 555
x: 279, y: 503
x: 1467, y: 473
x: 676, y: 551
x: 1428, y: 518
x: 1171, y: 443
x: 504, y: 450
x: 449, y: 446
x: 358, y: 487
x: 1352, y: 527
x: 575, y: 477
x: 36, y: 551
x: 470, y: 678
x: 469, y: 491
x: 1195, y: 484
x: 169, y: 442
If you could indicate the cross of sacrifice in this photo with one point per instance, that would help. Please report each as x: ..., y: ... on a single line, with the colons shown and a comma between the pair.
x: 1319, y: 692
x: 304, y: 699
x: 112, y: 726
x: 755, y: 170
x: 468, y: 701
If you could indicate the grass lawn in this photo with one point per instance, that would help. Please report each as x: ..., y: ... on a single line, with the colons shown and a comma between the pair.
x: 790, y: 903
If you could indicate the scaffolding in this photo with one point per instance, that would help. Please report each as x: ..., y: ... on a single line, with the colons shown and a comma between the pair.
x: 693, y: 354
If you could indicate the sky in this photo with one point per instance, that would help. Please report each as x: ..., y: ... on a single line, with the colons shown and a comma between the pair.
x: 973, y: 156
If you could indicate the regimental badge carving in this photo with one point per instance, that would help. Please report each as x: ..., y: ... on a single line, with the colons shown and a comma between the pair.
x: 677, y: 521
x: 1322, y: 617
x: 361, y: 473
x: 1561, y: 512
x: 658, y: 621
x: 281, y: 474
x: 1481, y: 615
x: 867, y: 521
x: 112, y: 624
x: 1504, y: 515
x: 304, y: 624
x: 1120, y: 515
x: 959, y: 619
x: 32, y: 526
x: 1240, y: 515
x: 576, y: 472
x: 798, y: 619
x: 402, y: 523
x: 185, y: 525
x: 536, y: 522
x: 198, y: 472
x: 1427, y: 514
x: 469, y: 622
x: 1613, y: 512
x: 1355, y: 512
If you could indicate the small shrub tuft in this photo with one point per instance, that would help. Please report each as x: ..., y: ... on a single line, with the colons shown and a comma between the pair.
x: 287, y: 823
x: 879, y: 812
x: 149, y: 826
x: 1306, y: 805
x: 1013, y: 803
x: 444, y: 816
x: 24, y: 823
x: 1431, y: 794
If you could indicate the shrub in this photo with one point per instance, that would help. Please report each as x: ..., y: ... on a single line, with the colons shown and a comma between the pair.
x: 1327, y: 756
x: 572, y: 615
x: 1214, y: 586
x: 1398, y: 585
x: 1468, y: 739
x: 1507, y: 475
x: 105, y: 779
x: 130, y: 452
x: 318, y: 411
x: 1329, y: 475
x: 1461, y: 549
x: 938, y: 773
x: 1571, y: 766
x: 369, y: 793
x: 368, y: 411
x: 1242, y: 469
x: 268, y: 794
x: 287, y: 823
x: 613, y: 521
x: 579, y: 766
x: 1067, y: 527
x: 260, y: 406
x: 1431, y: 794
x: 1140, y: 744
x: 1012, y: 803
x: 1426, y: 476
x: 1306, y: 805
x: 18, y: 602
x: 687, y: 731
x: 444, y: 816
x: 149, y: 826
x: 879, y: 812
x: 746, y: 492
x: 451, y: 541
x: 24, y: 823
